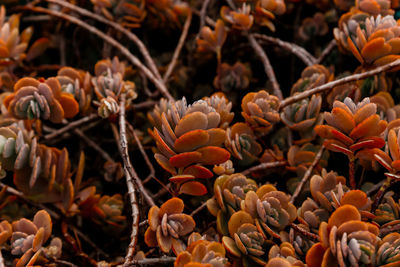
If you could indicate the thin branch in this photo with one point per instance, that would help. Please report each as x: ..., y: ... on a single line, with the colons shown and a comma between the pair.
x: 305, y: 233
x: 298, y: 51
x: 330, y: 85
x: 267, y: 65
x: 94, y: 145
x: 178, y: 48
x: 264, y: 166
x: 116, y: 26
x: 145, y: 104
x: 326, y: 51
x: 123, y: 145
x: 71, y: 126
x: 153, y: 261
x: 202, y: 14
x: 125, y: 51
x: 307, y: 174
x: 202, y: 206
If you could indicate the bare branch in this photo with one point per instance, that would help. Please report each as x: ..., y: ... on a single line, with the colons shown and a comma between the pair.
x: 267, y: 65
x: 178, y: 48
x: 326, y: 51
x: 116, y: 26
x: 125, y: 51
x: 307, y: 175
x: 299, y: 51
x: 95, y: 146
x: 71, y: 125
x: 264, y: 166
x: 123, y: 145
x: 330, y: 85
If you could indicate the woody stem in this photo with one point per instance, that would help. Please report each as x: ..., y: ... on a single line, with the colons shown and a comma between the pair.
x: 352, y: 179
x: 379, y: 195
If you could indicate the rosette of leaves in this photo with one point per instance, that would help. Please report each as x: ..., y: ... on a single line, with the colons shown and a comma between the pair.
x: 388, y: 210
x: 244, y: 242
x: 384, y: 103
x: 330, y: 193
x: 224, y: 168
x: 167, y: 225
x: 284, y: 251
x: 229, y: 192
x: 28, y: 238
x: 131, y: 13
x: 388, y: 253
x: 375, y: 7
x: 203, y: 253
x: 350, y: 128
x: 162, y: 13
x: 77, y: 83
x: 265, y: 11
x: 240, y: 19
x: 345, y: 240
x: 270, y: 209
x: 281, y: 262
x: 301, y: 157
x: 232, y: 78
x: 242, y: 143
x: 223, y: 107
x: 109, y: 209
x: 13, y: 44
x: 340, y: 92
x: 303, y: 116
x: 372, y: 41
x: 212, y: 41
x: 312, y: 27
x: 36, y: 99
x: 260, y: 111
x: 311, y: 77
x: 299, y: 243
x: 187, y: 138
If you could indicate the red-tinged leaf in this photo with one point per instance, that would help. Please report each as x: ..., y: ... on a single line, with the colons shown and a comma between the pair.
x: 162, y: 145
x: 329, y: 132
x: 396, y: 164
x: 37, y: 48
x: 185, y: 159
x: 69, y: 105
x: 383, y: 162
x: 178, y: 179
x: 393, y: 176
x: 371, y: 142
x: 191, y: 140
x: 193, y: 188
x: 212, y: 155
x: 314, y: 255
x: 332, y: 145
x: 198, y: 171
x: 164, y: 163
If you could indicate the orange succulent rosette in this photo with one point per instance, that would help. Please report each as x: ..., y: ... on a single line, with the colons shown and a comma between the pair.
x: 41, y: 99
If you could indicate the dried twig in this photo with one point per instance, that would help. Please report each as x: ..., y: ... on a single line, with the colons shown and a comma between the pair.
x: 125, y: 51
x: 94, y: 145
x: 71, y: 125
x: 178, y: 48
x: 307, y: 174
x: 330, y: 85
x: 267, y: 65
x: 326, y: 51
x: 202, y: 13
x: 165, y: 260
x: 145, y: 104
x: 116, y: 26
x: 299, y: 51
x: 123, y: 146
x: 202, y: 206
x: 305, y: 233
x: 264, y: 166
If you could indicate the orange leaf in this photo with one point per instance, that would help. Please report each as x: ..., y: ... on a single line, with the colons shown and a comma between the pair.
x: 193, y: 188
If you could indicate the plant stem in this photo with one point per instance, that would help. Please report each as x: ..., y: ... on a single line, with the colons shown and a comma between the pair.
x: 352, y: 179
x: 379, y: 195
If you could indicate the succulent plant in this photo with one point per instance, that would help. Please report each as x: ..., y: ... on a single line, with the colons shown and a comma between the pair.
x: 284, y: 251
x: 260, y: 111
x: 388, y: 252
x: 203, y: 253
x: 388, y: 210
x: 375, y: 7
x: 110, y: 208
x: 265, y: 11
x: 311, y: 77
x: 194, y: 142
x: 232, y: 77
x: 77, y: 83
x: 167, y: 225
x: 35, y: 99
x: 369, y: 38
x: 28, y: 238
x: 240, y: 19
x: 303, y: 116
x: 245, y: 241
x: 229, y: 192
x: 242, y: 144
x: 271, y: 210
x: 345, y: 240
x: 312, y: 27
x: 299, y: 243
x: 212, y: 41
